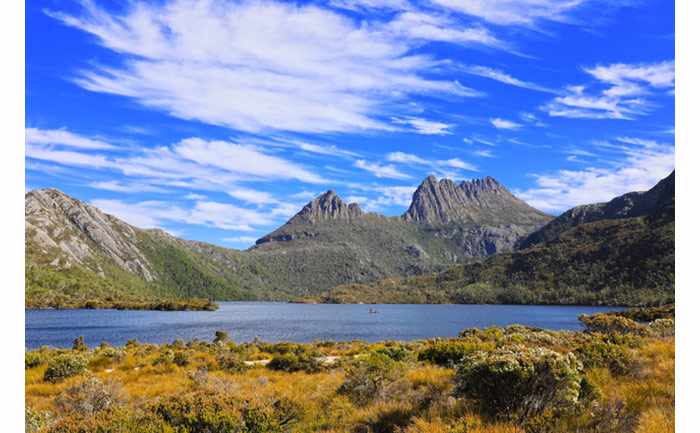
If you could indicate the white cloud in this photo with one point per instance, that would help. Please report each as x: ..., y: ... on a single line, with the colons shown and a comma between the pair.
x: 420, y: 25
x: 379, y: 170
x: 424, y: 126
x: 195, y: 197
x: 501, y: 76
x: 623, y: 95
x: 62, y: 137
x: 190, y: 163
x: 482, y: 141
x: 659, y: 75
x: 411, y: 159
x: 406, y: 158
x: 513, y: 12
x: 485, y: 153
x: 371, y: 4
x: 504, y: 124
x: 266, y: 65
x: 325, y: 150
x: 252, y: 196
x: 639, y: 170
x: 242, y: 239
x: 389, y: 196
x: 242, y: 159
x: 207, y: 213
x: 116, y: 186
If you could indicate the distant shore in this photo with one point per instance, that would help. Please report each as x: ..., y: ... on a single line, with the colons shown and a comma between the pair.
x: 193, y: 304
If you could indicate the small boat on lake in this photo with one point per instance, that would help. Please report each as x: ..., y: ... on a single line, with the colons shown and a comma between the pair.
x: 371, y: 311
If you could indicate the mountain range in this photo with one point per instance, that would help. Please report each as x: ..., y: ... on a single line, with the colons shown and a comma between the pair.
x: 621, y: 252
x: 75, y: 251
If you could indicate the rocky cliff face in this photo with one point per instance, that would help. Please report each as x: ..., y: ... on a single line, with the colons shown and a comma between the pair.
x: 629, y: 205
x: 469, y: 219
x: 82, y: 232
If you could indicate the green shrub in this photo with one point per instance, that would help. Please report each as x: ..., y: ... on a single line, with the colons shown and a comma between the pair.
x: 32, y: 359
x: 164, y: 358
x: 233, y: 363
x: 79, y: 344
x: 303, y: 362
x: 134, y: 342
x: 220, y: 337
x: 199, y: 413
x: 371, y: 378
x: 605, y: 354
x: 520, y: 382
x: 64, y: 366
x: 35, y: 421
x: 90, y: 396
x: 181, y: 358
x: 663, y: 327
x: 397, y: 353
x: 607, y: 324
x: 446, y: 354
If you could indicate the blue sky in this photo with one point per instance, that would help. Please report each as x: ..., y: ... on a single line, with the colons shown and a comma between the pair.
x: 218, y: 120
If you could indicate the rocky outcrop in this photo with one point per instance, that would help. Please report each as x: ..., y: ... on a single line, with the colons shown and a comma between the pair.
x: 327, y: 206
x: 484, y: 201
x: 81, y: 231
x: 629, y: 205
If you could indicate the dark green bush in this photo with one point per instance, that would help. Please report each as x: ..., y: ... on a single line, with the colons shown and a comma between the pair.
x: 397, y: 353
x: 601, y: 353
x: 181, y: 358
x: 79, y: 344
x: 32, y: 359
x: 446, y: 354
x: 519, y: 382
x: 303, y: 362
x: 220, y: 337
x: 371, y: 378
x: 64, y: 366
x: 233, y: 363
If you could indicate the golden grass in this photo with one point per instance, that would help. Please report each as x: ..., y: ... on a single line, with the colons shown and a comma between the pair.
x: 422, y: 400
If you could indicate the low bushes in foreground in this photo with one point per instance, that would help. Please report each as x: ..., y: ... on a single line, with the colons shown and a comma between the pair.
x: 513, y: 380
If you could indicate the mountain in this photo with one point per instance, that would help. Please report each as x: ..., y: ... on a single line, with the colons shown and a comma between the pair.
x: 74, y: 250
x: 629, y: 205
x: 617, y: 253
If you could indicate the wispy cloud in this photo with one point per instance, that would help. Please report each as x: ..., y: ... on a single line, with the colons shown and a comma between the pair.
x: 388, y: 196
x: 498, y: 75
x: 505, y: 124
x: 61, y: 137
x: 513, y: 12
x: 640, y: 168
x: 623, y: 93
x: 131, y: 187
x: 269, y: 65
x: 423, y: 126
x: 438, y: 164
x: 192, y: 162
x: 150, y: 214
x: 379, y: 170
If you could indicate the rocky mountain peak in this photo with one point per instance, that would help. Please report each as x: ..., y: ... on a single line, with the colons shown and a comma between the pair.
x: 478, y: 200
x: 327, y: 206
x: 56, y: 221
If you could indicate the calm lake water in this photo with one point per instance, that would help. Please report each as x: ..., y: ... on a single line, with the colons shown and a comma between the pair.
x: 280, y: 321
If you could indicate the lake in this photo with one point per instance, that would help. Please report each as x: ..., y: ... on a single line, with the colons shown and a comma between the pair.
x: 281, y: 321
